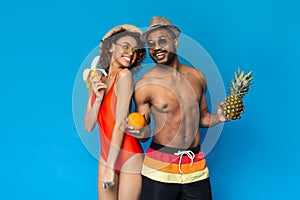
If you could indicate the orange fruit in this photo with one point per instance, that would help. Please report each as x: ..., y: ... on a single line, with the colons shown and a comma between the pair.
x: 136, y: 120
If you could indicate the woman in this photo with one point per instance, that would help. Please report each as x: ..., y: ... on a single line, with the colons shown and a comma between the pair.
x: 109, y: 100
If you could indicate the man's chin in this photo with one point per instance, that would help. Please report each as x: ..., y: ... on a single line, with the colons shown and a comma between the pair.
x: 161, y: 62
x: 168, y: 60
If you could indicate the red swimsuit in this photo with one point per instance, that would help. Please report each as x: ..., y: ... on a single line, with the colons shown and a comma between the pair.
x: 106, y: 122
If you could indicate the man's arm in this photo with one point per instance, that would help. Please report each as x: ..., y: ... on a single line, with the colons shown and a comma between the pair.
x: 142, y: 104
x: 206, y: 118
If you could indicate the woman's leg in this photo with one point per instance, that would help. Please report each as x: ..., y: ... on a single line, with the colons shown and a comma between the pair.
x: 110, y: 193
x: 130, y: 183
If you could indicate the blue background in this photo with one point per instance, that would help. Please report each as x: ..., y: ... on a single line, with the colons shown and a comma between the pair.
x: 44, y: 43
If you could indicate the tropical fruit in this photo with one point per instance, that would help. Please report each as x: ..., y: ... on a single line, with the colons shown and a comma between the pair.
x: 233, y: 105
x: 93, y: 71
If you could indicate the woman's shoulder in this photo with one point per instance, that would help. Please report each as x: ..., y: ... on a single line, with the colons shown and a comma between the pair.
x: 124, y: 78
x: 124, y: 73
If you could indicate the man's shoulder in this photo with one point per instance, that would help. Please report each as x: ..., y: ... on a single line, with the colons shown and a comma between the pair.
x: 143, y: 80
x: 149, y: 73
x: 193, y: 71
x: 143, y: 89
x: 147, y: 76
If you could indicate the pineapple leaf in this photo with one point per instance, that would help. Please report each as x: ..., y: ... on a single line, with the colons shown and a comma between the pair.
x: 236, y: 75
x: 241, y: 74
x: 240, y: 86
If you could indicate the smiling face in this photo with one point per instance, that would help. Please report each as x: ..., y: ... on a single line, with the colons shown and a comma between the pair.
x: 162, y: 46
x: 124, y: 51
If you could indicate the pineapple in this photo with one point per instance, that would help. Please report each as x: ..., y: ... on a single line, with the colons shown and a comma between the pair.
x: 233, y: 105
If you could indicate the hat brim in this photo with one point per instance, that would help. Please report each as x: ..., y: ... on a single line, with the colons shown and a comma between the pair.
x: 126, y: 27
x: 174, y: 29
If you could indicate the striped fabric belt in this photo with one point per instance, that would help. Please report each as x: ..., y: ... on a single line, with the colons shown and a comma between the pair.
x: 172, y: 165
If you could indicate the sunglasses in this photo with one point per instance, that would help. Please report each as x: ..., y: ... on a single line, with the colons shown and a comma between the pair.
x: 162, y: 42
x: 126, y: 48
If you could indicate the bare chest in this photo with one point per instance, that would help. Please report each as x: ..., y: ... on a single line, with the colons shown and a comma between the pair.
x: 174, y: 95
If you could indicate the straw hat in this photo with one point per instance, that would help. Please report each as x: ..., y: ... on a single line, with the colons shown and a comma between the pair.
x: 126, y: 27
x: 160, y: 22
x: 96, y: 60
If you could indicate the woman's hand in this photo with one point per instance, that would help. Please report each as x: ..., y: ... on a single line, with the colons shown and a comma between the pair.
x: 108, y: 177
x: 98, y: 87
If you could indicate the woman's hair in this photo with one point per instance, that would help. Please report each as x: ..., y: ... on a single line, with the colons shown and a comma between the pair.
x: 105, y: 54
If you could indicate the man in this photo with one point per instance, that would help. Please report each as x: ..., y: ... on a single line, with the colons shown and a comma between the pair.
x: 175, y: 95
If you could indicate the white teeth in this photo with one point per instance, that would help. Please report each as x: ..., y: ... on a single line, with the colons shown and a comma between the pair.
x: 159, y: 54
x: 126, y: 58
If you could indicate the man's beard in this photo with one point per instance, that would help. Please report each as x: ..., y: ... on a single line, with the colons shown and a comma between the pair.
x: 170, y: 60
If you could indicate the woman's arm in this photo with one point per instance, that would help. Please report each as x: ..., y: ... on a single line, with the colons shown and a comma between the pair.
x: 124, y: 90
x: 92, y: 108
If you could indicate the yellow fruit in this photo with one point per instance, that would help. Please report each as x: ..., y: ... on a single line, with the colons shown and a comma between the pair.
x: 233, y: 105
x: 92, y: 73
x: 136, y: 120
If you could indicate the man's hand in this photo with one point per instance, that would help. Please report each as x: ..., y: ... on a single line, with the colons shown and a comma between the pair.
x: 141, y: 133
x: 220, y: 115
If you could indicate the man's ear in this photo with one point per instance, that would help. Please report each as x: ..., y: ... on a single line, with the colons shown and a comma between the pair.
x: 176, y: 43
